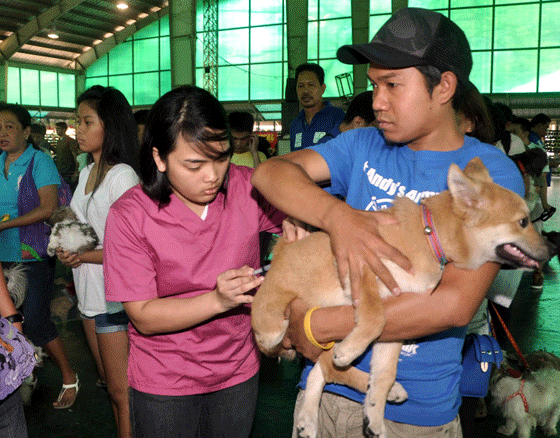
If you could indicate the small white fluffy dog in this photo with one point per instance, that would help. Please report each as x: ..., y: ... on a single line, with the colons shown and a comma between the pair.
x: 531, y: 400
x: 16, y: 280
x: 69, y: 234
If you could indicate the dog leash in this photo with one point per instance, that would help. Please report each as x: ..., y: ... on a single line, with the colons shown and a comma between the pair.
x: 510, y: 337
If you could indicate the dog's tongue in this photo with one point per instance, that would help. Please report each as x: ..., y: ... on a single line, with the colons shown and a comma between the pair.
x: 515, y: 254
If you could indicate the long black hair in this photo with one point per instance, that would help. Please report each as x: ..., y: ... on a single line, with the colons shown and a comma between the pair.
x: 188, y: 111
x: 120, y: 141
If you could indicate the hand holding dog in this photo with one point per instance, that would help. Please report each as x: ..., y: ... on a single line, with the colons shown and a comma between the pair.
x: 356, y: 243
x: 232, y: 287
x: 68, y: 258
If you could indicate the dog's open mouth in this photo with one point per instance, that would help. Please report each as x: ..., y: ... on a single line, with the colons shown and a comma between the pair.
x: 516, y: 257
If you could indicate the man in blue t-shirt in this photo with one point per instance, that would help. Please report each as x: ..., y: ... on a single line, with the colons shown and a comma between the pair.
x: 318, y: 116
x: 419, y: 66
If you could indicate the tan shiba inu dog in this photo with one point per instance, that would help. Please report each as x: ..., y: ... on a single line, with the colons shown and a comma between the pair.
x: 477, y: 221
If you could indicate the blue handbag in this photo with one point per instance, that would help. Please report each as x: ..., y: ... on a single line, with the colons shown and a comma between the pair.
x: 480, y: 352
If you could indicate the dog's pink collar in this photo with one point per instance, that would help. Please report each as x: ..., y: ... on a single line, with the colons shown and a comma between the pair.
x: 520, y: 394
x: 430, y: 232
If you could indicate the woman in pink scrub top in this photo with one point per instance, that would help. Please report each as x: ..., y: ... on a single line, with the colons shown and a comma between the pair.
x: 179, y: 253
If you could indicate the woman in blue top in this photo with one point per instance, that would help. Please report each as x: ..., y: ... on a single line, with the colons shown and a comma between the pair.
x: 17, y: 155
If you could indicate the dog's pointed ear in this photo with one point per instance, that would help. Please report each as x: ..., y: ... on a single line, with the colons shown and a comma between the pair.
x: 466, y: 195
x: 475, y: 169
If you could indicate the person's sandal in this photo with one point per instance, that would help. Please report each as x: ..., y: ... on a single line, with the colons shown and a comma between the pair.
x: 75, y: 386
x: 547, y: 214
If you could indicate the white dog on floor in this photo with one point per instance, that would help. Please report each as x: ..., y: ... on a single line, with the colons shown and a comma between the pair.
x: 69, y: 234
x: 16, y: 280
x: 531, y: 400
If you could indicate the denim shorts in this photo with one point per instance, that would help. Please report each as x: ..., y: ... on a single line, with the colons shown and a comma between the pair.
x: 111, y: 322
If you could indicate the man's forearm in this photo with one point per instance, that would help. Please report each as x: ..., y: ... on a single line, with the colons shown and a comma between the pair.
x: 296, y: 193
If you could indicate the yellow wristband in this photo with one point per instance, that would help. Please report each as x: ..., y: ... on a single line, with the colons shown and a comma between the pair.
x: 309, y: 334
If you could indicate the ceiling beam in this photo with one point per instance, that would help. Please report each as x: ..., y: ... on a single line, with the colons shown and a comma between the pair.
x: 14, y: 42
x: 87, y: 58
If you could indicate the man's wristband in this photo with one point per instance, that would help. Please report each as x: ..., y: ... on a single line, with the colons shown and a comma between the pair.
x: 16, y: 317
x: 309, y: 334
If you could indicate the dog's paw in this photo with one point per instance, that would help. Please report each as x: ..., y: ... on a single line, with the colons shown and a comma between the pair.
x: 307, y: 425
x: 342, y: 355
x: 374, y: 426
x: 505, y: 430
x: 397, y: 394
x: 549, y: 430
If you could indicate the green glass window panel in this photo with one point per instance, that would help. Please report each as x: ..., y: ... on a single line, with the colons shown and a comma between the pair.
x: 233, y: 13
x: 29, y: 87
x: 101, y: 80
x: 334, y: 9
x: 164, y: 53
x: 312, y: 40
x: 164, y: 82
x: 146, y: 88
x: 480, y: 73
x: 312, y: 10
x: 199, y: 50
x: 150, y: 31
x: 332, y: 68
x: 428, y: 4
x: 265, y: 42
x: 66, y: 90
x: 146, y: 55
x: 272, y: 116
x: 123, y: 83
x: 465, y: 3
x: 549, y: 72
x: 13, y: 91
x: 375, y: 23
x: 266, y: 81
x: 233, y: 46
x: 164, y: 26
x: 332, y: 35
x: 120, y: 59
x: 515, y: 71
x: 49, y: 88
x: 199, y: 15
x: 550, y: 35
x: 477, y: 25
x: 502, y: 2
x: 233, y: 83
x: 380, y: 7
x: 99, y: 67
x: 516, y: 26
x: 285, y: 41
x: 266, y: 12
x: 199, y: 77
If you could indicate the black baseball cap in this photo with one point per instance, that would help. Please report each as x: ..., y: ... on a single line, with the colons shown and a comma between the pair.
x: 411, y: 37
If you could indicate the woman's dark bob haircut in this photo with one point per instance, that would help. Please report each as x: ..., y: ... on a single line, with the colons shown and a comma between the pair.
x: 188, y: 111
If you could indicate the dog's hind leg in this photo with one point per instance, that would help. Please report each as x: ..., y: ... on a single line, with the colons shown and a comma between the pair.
x: 507, y: 429
x: 549, y: 428
x: 268, y: 317
x: 308, y: 418
x: 370, y: 320
x: 383, y: 365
